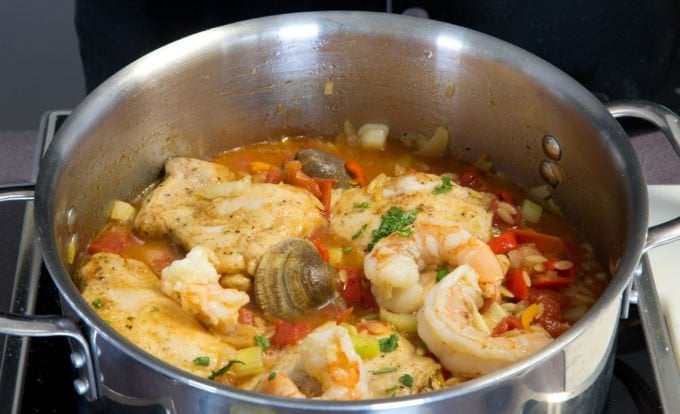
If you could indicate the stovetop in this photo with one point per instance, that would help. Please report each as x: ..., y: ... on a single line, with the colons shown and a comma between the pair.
x: 36, y: 375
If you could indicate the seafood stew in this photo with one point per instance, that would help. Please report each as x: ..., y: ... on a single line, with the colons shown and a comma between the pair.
x: 342, y: 268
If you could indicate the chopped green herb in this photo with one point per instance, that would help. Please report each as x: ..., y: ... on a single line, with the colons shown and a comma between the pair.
x: 397, y: 221
x: 154, y: 309
x: 97, y: 303
x: 441, y: 273
x: 386, y: 370
x: 406, y: 380
x: 203, y: 361
x: 347, y: 249
x: 391, y: 390
x: 224, y: 369
x: 262, y: 342
x: 388, y: 344
x: 272, y: 375
x: 365, y: 204
x: 445, y: 187
x: 360, y: 232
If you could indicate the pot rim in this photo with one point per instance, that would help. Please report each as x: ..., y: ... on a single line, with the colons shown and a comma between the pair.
x: 85, y: 117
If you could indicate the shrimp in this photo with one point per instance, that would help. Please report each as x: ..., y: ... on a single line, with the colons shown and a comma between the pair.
x: 193, y: 282
x: 328, y: 356
x: 278, y: 383
x: 445, y: 324
x: 395, y: 264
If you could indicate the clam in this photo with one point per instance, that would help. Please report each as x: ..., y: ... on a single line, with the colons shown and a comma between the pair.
x: 292, y: 280
x: 317, y: 163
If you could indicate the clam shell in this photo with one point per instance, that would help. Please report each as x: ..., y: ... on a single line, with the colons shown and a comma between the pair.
x: 321, y: 164
x: 293, y: 280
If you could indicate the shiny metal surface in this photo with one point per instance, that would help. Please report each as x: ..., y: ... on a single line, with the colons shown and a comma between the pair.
x: 666, y: 370
x: 262, y: 78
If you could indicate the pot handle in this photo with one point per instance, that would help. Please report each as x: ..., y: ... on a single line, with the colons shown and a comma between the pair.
x: 669, y: 123
x: 57, y: 325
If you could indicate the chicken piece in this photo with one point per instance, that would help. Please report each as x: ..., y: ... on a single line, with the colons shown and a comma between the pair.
x: 385, y: 371
x: 355, y: 208
x: 199, y: 204
x: 127, y: 295
x: 401, y: 371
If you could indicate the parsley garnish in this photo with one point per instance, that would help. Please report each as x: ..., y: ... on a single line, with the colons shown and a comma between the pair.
x: 203, y: 361
x: 97, y: 303
x: 365, y: 204
x: 441, y: 273
x: 224, y: 369
x: 262, y: 342
x: 406, y: 380
x: 154, y: 309
x: 445, y: 187
x: 397, y: 221
x: 360, y: 232
x: 272, y: 375
x: 388, y: 344
x: 386, y: 370
x: 347, y: 249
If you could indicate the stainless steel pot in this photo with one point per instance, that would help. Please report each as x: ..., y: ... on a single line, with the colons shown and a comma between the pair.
x: 235, y: 84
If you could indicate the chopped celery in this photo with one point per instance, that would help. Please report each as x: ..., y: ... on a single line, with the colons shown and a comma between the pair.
x: 531, y: 211
x: 251, y: 359
x: 366, y: 346
x: 335, y: 256
x: 122, y: 211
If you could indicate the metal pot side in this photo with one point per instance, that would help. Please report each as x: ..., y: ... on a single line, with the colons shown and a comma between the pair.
x: 231, y: 85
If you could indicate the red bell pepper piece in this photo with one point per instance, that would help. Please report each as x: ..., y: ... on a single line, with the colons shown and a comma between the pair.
x: 113, y: 241
x: 507, y: 324
x: 549, y: 246
x: 503, y: 243
x: 515, y: 282
x: 357, y: 172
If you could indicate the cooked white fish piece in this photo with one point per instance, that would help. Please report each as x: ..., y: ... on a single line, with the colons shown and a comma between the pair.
x: 195, y: 284
x: 199, y: 203
x: 127, y: 295
x: 356, y: 212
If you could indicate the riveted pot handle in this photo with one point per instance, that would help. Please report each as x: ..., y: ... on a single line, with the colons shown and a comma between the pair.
x: 669, y: 123
x: 57, y: 325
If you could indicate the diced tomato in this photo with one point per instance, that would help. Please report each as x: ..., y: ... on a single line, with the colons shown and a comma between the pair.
x: 273, y: 175
x: 472, y: 179
x: 507, y: 324
x: 515, y: 218
x: 114, y: 241
x: 289, y: 333
x: 357, y: 291
x: 515, y: 282
x: 246, y: 316
x: 548, y: 245
x: 503, y: 195
x: 503, y: 243
x: 552, y: 302
x: 357, y: 172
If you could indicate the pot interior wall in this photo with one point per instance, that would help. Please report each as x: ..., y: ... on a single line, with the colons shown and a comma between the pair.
x: 253, y: 81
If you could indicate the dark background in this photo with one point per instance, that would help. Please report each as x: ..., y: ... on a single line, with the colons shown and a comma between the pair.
x: 621, y: 49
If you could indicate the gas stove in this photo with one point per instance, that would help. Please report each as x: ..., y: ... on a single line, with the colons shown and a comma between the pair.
x: 36, y: 375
